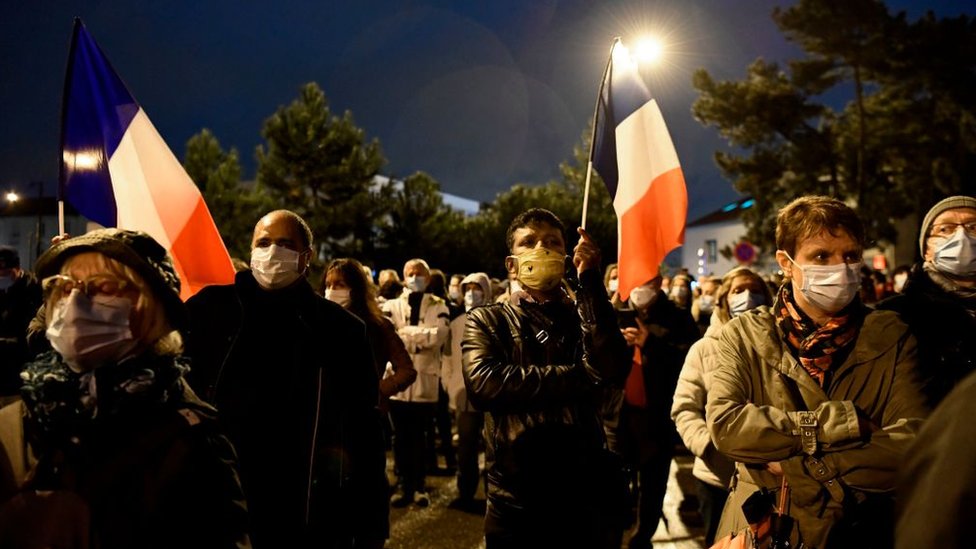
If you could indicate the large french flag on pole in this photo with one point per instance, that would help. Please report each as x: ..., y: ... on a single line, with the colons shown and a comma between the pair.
x: 117, y: 171
x: 634, y: 156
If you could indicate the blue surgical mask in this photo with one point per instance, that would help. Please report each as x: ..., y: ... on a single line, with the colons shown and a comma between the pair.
x: 956, y: 255
x: 744, y: 301
x: 830, y: 288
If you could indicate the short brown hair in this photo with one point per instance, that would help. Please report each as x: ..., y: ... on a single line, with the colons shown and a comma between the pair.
x: 532, y: 216
x: 808, y: 216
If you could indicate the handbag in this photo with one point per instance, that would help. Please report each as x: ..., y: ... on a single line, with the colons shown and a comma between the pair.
x: 770, y: 525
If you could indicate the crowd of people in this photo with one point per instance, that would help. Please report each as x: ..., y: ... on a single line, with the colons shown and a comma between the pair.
x: 825, y: 403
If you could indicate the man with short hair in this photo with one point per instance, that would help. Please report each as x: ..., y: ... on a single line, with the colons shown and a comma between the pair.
x: 20, y: 297
x: 292, y: 377
x: 938, y: 301
x: 538, y: 366
x: 421, y: 320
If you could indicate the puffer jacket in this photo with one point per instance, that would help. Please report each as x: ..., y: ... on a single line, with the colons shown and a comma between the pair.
x: 688, y: 410
x: 838, y: 478
x: 538, y: 371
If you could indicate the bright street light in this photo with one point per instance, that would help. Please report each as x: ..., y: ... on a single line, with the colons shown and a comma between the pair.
x: 12, y: 197
x: 649, y: 51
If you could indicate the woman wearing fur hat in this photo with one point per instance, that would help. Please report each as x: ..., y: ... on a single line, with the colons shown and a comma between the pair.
x: 109, y: 447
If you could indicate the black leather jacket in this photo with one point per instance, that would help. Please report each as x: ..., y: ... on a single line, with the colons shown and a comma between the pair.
x: 538, y: 371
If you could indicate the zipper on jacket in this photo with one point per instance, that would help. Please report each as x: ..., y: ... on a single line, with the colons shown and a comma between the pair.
x: 311, y: 457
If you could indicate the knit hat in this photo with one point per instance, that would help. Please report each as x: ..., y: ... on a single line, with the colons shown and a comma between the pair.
x: 946, y: 204
x: 136, y: 250
x: 481, y: 279
x: 9, y: 258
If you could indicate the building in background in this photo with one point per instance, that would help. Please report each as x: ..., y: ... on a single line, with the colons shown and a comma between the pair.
x: 29, y: 223
x: 716, y: 243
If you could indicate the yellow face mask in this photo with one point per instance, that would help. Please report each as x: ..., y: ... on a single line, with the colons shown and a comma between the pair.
x: 540, y: 269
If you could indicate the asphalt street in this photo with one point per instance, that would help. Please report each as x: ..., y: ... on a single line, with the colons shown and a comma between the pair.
x: 442, y: 527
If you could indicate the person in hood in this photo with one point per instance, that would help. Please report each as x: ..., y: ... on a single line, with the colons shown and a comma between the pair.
x: 816, y: 392
x: 110, y: 447
x: 293, y: 378
x: 422, y: 322
x: 475, y: 292
x: 739, y: 291
x: 938, y: 298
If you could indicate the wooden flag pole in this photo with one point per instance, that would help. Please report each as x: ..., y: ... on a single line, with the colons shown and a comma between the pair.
x: 596, y: 112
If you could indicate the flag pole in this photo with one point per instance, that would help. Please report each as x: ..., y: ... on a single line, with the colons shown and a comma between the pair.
x: 62, y: 175
x: 596, y: 111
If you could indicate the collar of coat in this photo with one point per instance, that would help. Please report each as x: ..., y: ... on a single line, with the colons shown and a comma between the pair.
x: 881, y: 331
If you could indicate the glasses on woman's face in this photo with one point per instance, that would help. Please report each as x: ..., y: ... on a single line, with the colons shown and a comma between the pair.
x: 949, y: 229
x: 61, y: 285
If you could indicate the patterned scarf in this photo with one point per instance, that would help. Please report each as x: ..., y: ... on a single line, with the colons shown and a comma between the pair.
x: 62, y: 403
x: 817, y: 347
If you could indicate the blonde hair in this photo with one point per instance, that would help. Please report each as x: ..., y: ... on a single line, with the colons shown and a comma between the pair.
x: 722, y: 295
x: 148, y: 320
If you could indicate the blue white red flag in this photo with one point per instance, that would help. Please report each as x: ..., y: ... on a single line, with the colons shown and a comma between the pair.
x: 117, y: 171
x: 634, y: 156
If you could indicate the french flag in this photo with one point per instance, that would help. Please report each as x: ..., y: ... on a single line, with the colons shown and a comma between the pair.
x: 634, y: 156
x: 117, y: 171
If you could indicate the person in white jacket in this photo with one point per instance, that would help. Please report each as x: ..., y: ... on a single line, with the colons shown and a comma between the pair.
x: 421, y: 320
x: 476, y: 291
x: 740, y: 291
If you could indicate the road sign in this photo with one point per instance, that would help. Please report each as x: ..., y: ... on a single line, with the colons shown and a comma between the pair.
x: 745, y: 252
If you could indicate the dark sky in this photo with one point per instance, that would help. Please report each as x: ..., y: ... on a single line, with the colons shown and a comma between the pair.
x: 480, y: 94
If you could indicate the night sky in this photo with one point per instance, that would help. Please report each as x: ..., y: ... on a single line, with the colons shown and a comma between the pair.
x: 479, y: 94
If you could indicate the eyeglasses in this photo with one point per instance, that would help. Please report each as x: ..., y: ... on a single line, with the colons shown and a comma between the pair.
x: 60, y: 285
x: 948, y: 229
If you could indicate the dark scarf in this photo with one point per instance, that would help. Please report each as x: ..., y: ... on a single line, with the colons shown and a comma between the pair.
x: 818, y: 348
x: 61, y: 403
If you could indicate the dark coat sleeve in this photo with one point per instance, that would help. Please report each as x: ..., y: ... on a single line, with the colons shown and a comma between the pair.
x: 361, y: 506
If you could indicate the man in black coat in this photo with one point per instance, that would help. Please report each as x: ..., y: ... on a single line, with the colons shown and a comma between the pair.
x: 20, y: 297
x: 537, y: 365
x: 639, y: 417
x: 292, y: 377
x: 939, y: 298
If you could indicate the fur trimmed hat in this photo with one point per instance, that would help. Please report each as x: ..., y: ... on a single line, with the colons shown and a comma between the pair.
x: 134, y: 249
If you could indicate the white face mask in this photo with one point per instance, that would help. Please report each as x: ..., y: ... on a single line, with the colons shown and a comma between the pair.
x: 679, y: 292
x: 642, y: 296
x: 614, y: 285
x: 830, y: 288
x: 275, y: 266
x: 744, y: 301
x: 339, y: 296
x: 956, y: 255
x: 473, y: 298
x: 417, y: 283
x: 706, y: 304
x: 6, y: 282
x: 454, y: 293
x: 88, y: 332
x: 899, y: 283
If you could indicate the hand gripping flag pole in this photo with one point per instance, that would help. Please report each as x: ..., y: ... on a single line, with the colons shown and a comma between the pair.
x: 117, y: 171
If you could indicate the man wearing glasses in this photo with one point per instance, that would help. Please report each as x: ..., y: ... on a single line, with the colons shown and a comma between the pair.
x: 939, y: 301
